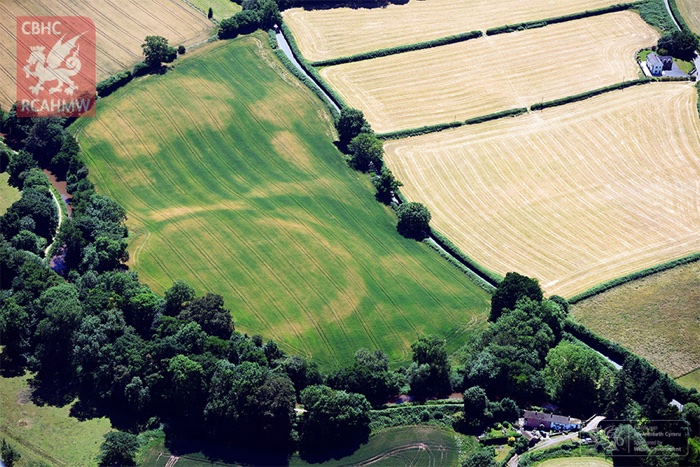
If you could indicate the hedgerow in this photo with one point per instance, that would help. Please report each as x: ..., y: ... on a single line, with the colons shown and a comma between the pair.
x: 588, y: 94
x: 567, y: 450
x: 634, y: 276
x: 478, y: 280
x: 339, y: 101
x: 446, y: 126
x: 400, y: 49
x: 558, y: 19
x: 485, y: 274
x: 108, y: 86
x: 677, y: 15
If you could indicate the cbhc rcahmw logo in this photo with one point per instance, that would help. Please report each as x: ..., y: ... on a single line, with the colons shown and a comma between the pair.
x: 55, y: 66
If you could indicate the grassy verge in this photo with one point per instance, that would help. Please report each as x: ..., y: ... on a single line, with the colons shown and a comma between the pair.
x: 231, y: 167
x: 654, y: 12
x: 690, y: 380
x: 8, y: 194
x: 44, y: 433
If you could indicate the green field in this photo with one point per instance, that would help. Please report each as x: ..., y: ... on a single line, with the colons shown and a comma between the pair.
x: 691, y: 380
x: 655, y: 317
x: 45, y: 433
x: 400, y: 446
x: 8, y: 194
x: 227, y: 171
x: 222, y: 8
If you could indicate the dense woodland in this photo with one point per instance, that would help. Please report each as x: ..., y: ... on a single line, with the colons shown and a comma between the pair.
x: 177, y: 363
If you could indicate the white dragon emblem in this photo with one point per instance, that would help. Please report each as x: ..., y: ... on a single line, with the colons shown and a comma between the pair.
x: 46, y: 69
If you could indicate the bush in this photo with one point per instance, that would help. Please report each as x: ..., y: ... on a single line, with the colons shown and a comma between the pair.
x: 118, y: 448
x: 350, y: 124
x: 414, y: 220
x: 108, y: 86
x: 140, y: 69
x: 181, y: 49
x: 366, y: 151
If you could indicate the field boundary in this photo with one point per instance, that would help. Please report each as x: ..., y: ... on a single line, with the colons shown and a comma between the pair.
x: 462, y: 37
x: 559, y: 19
x: 677, y: 16
x: 588, y: 94
x: 605, y: 286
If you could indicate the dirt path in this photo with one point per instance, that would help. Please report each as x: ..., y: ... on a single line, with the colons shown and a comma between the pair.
x: 60, y: 221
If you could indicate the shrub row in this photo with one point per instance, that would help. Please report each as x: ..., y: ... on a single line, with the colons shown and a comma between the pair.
x: 437, y: 415
x: 558, y: 19
x: 654, y: 12
x: 320, y: 82
x: 446, y: 126
x: 400, y: 49
x: 634, y: 276
x: 677, y: 15
x: 311, y: 84
x: 567, y: 450
x: 588, y: 94
x: 473, y: 275
x: 489, y: 276
x: 114, y: 82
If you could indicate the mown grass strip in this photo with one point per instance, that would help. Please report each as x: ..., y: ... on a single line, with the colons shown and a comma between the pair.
x: 400, y: 49
x: 558, y: 19
x: 634, y: 276
x: 340, y: 102
x: 400, y: 134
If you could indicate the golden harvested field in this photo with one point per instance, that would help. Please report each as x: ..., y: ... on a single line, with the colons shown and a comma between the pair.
x: 121, y: 28
x: 339, y: 32
x: 573, y: 195
x: 657, y: 317
x: 489, y: 74
x: 690, y: 9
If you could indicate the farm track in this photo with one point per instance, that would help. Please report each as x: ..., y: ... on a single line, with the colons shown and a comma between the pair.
x: 576, y: 219
x: 338, y: 32
x: 277, y: 222
x: 493, y: 73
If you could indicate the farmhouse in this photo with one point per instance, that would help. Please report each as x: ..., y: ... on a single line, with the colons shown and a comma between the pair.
x: 548, y: 421
x: 654, y: 64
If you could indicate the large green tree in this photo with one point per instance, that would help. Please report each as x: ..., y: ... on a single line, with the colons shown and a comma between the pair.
x: 511, y: 289
x: 366, y: 150
x: 414, y: 220
x: 681, y: 44
x: 350, y: 123
x: 156, y: 51
x: 118, y: 449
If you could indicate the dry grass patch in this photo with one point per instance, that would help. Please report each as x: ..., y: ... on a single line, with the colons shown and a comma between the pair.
x: 655, y: 317
x: 574, y: 195
x: 121, y: 28
x: 486, y: 75
x: 339, y: 32
x: 8, y: 194
x: 690, y: 9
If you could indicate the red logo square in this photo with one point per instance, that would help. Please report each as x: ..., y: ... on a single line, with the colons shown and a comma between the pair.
x: 56, y: 66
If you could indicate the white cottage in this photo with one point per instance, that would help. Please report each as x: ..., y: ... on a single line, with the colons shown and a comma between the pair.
x: 654, y: 64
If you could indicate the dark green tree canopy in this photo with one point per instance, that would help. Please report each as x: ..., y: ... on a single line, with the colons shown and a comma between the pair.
x: 366, y: 150
x: 118, y: 448
x: 414, y: 220
x: 157, y: 51
x: 210, y: 313
x: 681, y: 44
x: 511, y: 289
x: 350, y: 124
